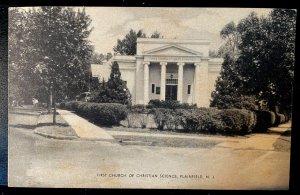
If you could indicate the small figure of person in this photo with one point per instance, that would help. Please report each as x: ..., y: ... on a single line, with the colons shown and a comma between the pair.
x: 35, y: 102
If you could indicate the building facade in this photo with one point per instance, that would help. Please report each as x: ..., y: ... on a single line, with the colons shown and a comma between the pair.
x: 167, y: 69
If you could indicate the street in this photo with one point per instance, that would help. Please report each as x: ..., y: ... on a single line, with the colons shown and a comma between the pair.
x: 36, y: 161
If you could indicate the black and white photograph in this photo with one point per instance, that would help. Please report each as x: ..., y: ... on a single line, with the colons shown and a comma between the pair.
x: 150, y: 97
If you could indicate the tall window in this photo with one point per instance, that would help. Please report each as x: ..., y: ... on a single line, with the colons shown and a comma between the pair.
x: 153, y: 88
x: 189, y: 89
x: 157, y: 90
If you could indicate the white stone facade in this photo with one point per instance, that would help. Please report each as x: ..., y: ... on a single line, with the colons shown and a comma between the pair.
x: 167, y: 69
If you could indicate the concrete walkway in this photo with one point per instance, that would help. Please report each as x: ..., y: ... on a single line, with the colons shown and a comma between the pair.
x: 200, y: 137
x: 259, y: 141
x: 255, y: 142
x: 281, y: 128
x: 84, y: 129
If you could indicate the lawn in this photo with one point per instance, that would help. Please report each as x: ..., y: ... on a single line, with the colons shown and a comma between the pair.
x: 165, y: 142
x: 61, y: 129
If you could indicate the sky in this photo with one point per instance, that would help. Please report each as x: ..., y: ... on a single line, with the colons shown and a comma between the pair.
x: 112, y: 23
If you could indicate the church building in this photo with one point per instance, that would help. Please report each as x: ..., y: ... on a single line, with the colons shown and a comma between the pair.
x: 167, y: 69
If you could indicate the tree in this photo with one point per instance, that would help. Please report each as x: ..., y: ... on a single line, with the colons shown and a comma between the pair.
x: 21, y: 57
x: 108, y: 56
x: 227, y: 93
x: 59, y: 52
x: 231, y: 38
x: 100, y: 58
x: 97, y: 58
x: 264, y: 64
x: 127, y: 46
x: 114, y: 90
x: 156, y: 35
x: 267, y: 57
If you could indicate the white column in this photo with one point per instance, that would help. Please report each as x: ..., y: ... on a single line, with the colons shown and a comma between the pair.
x: 180, y: 82
x: 202, y: 96
x: 163, y: 80
x: 146, y: 82
x: 196, y: 84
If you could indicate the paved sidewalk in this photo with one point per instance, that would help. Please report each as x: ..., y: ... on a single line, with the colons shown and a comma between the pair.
x: 259, y: 141
x: 255, y: 142
x: 281, y: 128
x: 200, y: 137
x: 84, y: 129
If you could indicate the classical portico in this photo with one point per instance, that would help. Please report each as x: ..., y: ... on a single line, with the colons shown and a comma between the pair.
x: 170, y: 69
x: 173, y: 83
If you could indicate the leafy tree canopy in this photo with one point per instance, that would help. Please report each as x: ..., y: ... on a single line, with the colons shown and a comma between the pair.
x: 49, y: 52
x: 127, y: 46
x: 259, y: 60
x: 114, y: 90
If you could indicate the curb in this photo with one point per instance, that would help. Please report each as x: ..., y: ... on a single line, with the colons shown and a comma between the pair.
x: 55, y: 136
x: 64, y: 137
x: 98, y: 139
x: 47, y: 135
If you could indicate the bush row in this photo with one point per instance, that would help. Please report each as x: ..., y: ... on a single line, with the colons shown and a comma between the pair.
x: 266, y: 119
x: 211, y: 120
x: 107, y: 114
x: 229, y: 121
x: 170, y: 104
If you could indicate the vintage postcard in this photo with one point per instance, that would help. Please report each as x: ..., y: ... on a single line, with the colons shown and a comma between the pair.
x: 149, y: 97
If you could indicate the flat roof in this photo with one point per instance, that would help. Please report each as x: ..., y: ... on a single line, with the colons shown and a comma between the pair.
x: 182, y: 41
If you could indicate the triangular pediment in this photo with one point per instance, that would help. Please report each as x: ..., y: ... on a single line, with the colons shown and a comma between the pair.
x: 172, y: 50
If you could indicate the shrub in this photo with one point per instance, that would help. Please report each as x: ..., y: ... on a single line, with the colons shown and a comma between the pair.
x: 72, y: 105
x: 265, y: 119
x: 234, y: 102
x: 102, y: 113
x: 62, y: 105
x: 187, y: 106
x: 209, y: 120
x: 185, y: 118
x: 160, y: 117
x: 138, y: 108
x: 237, y: 121
x: 108, y: 113
x: 169, y: 104
x: 280, y: 118
x: 154, y: 104
x: 200, y: 120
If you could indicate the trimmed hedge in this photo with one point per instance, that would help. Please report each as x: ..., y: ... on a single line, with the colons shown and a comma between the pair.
x: 265, y: 119
x: 206, y: 120
x: 138, y: 108
x: 107, y: 114
x: 280, y: 118
x: 169, y: 104
x: 237, y: 120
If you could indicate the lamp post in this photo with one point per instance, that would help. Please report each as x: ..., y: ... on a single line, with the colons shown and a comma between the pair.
x: 50, y: 97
